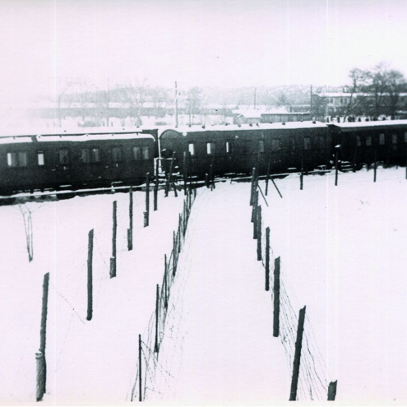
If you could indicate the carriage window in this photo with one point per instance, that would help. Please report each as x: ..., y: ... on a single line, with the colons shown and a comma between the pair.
x: 145, y: 152
x: 116, y: 154
x: 191, y: 149
x: 292, y: 143
x: 63, y: 156
x: 358, y: 142
x: 368, y: 140
x: 22, y: 159
x: 40, y: 158
x: 210, y: 148
x: 12, y: 159
x: 394, y: 138
x: 95, y: 155
x: 405, y: 136
x: 381, y: 139
x: 322, y: 142
x: 275, y: 145
x: 261, y: 146
x: 85, y: 156
x: 228, y: 147
x: 136, y: 153
x: 307, y: 143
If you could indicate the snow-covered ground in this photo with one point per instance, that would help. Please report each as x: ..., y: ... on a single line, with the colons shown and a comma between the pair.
x: 342, y: 253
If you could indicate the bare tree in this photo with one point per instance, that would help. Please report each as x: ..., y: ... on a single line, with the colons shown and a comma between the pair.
x: 84, y: 98
x: 134, y: 95
x: 357, y: 100
x: 396, y: 83
x: 194, y: 102
x: 159, y: 98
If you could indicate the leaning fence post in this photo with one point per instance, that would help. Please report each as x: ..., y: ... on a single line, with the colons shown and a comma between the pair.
x: 156, y: 186
x: 259, y: 232
x: 156, y: 318
x: 276, y: 292
x: 252, y: 186
x: 140, y: 384
x: 336, y: 167
x: 297, y: 355
x: 267, y: 177
x: 130, y: 229
x: 40, y: 355
x: 148, y: 198
x: 113, y: 258
x: 267, y: 259
x: 255, y: 216
x: 165, y: 282
x: 90, y: 276
x: 332, y: 390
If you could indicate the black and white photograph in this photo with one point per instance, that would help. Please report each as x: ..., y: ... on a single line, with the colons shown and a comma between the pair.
x: 202, y: 202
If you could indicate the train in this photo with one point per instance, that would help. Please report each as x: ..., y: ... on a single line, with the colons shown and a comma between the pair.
x: 55, y: 161
x: 283, y: 147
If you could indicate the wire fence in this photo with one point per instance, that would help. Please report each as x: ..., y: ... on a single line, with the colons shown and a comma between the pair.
x: 162, y: 321
x: 312, y: 378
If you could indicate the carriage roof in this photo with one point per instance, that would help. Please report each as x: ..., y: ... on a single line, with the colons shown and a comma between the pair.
x: 185, y: 130
x: 350, y: 126
x: 51, y: 138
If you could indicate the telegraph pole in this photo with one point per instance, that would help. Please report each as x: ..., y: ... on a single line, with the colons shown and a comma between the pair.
x: 310, y: 109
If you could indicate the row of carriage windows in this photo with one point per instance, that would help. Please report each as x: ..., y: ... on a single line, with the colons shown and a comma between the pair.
x: 86, y: 156
x: 275, y: 146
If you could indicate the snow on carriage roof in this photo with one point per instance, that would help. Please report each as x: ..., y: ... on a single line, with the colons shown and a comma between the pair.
x: 379, y: 123
x: 258, y: 126
x: 72, y: 138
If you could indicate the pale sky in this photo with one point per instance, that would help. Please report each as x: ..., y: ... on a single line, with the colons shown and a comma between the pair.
x: 225, y: 43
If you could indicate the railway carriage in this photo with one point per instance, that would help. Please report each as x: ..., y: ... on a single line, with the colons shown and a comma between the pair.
x: 53, y: 161
x: 234, y: 149
x: 364, y: 142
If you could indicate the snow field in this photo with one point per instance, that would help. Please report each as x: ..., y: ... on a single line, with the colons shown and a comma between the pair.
x: 89, y: 362
x: 342, y: 254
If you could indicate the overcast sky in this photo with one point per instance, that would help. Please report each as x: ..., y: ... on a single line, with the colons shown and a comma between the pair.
x: 196, y: 42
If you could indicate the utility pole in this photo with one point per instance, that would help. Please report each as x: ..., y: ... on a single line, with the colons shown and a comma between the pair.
x: 176, y: 105
x: 310, y: 109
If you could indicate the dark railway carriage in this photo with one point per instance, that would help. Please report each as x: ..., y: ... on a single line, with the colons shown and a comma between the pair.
x: 363, y: 142
x: 233, y: 149
x: 40, y: 162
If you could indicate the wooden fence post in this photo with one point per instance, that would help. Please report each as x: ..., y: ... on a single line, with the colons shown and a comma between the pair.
x: 90, y: 276
x: 207, y: 180
x: 259, y: 233
x: 297, y: 355
x: 169, y: 179
x: 332, y: 390
x: 140, y: 384
x: 157, y: 304
x: 148, y: 198
x: 130, y: 229
x: 252, y: 186
x: 276, y: 292
x: 267, y: 259
x: 336, y: 167
x: 185, y: 172
x: 156, y: 186
x: 165, y: 282
x: 375, y: 166
x: 174, y: 251
x: 40, y: 355
x: 267, y: 177
x: 255, y: 216
x: 113, y: 258
x: 302, y: 172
